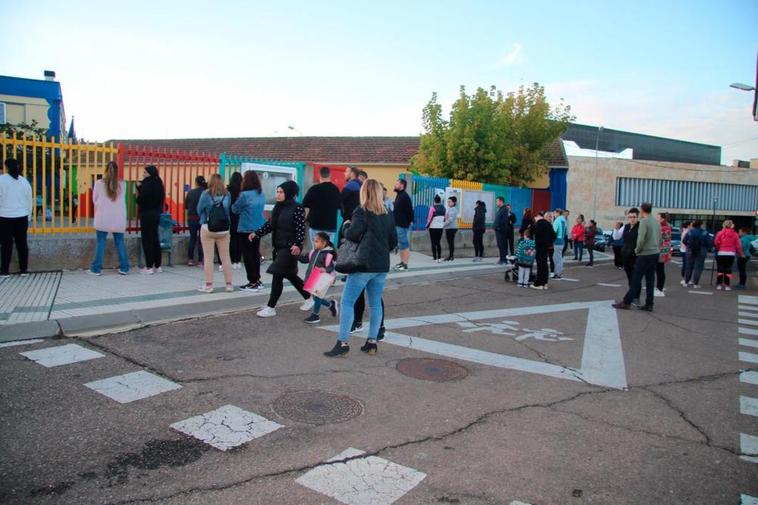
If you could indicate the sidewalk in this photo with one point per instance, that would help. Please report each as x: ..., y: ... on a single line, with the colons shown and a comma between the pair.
x: 74, y: 302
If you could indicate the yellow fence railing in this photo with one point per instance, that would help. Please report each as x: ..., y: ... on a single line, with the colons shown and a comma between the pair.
x: 62, y: 174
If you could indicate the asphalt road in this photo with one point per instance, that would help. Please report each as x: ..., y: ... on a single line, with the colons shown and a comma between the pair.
x: 552, y: 398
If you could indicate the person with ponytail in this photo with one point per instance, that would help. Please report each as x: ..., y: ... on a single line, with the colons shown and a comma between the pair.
x: 110, y: 217
x: 151, y: 195
x: 16, y: 206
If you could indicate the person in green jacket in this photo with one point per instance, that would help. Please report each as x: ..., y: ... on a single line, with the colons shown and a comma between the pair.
x: 648, y: 251
x: 746, y: 239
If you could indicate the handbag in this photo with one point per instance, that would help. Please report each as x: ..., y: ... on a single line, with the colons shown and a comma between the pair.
x: 351, y: 256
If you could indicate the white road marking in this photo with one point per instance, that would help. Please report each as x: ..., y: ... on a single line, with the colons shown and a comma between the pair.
x: 748, y: 342
x: 749, y: 447
x: 700, y: 292
x: 226, y: 427
x: 21, y: 342
x: 569, y: 279
x: 608, y: 285
x: 750, y: 322
x: 370, y: 480
x: 748, y: 357
x: 132, y: 386
x: 750, y: 300
x: 748, y: 500
x: 749, y: 377
x: 747, y: 331
x: 741, y: 313
x: 749, y: 406
x: 748, y: 308
x: 602, y: 356
x: 61, y: 355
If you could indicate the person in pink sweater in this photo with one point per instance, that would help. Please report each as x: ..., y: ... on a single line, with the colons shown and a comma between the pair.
x: 110, y: 217
x: 728, y: 247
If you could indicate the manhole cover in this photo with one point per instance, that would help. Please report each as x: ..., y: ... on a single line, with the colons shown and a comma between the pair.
x: 317, y: 407
x: 437, y: 370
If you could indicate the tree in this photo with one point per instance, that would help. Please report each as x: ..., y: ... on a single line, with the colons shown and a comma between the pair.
x: 491, y: 137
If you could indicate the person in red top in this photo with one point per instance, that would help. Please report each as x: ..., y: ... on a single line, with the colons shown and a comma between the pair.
x: 577, y: 236
x: 665, y: 256
x: 728, y: 246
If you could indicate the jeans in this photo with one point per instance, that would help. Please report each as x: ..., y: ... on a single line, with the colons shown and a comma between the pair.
x: 558, y: 260
x: 695, y: 267
x: 643, y: 267
x: 373, y: 283
x: 578, y: 250
x: 403, y: 242
x: 435, y: 234
x: 13, y: 229
x: 332, y: 235
x: 360, y: 308
x: 318, y: 303
x: 523, y: 275
x: 123, y: 259
x: 742, y: 267
x: 194, y: 231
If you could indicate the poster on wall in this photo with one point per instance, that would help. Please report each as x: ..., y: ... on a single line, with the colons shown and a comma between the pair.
x: 271, y: 176
x: 469, y: 204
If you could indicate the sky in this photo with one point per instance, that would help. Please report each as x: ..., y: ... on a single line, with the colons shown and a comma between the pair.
x: 180, y: 69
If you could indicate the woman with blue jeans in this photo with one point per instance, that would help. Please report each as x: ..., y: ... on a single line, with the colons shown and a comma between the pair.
x: 110, y: 217
x: 374, y: 229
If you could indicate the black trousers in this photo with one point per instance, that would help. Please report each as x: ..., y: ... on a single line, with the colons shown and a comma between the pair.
x: 235, y: 241
x: 151, y: 242
x: 724, y: 269
x: 435, y: 234
x: 660, y: 276
x: 450, y: 236
x: 644, y: 268
x: 251, y: 255
x: 542, y: 268
x: 742, y: 267
x: 551, y: 260
x: 277, y: 286
x: 629, y: 262
x: 509, y: 241
x: 479, y: 243
x: 13, y: 229
x: 360, y: 307
x: 618, y: 260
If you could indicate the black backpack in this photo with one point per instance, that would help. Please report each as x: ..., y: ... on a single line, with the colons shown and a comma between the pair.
x: 217, y: 218
x: 694, y: 244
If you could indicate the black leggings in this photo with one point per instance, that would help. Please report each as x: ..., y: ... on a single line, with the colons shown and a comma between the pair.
x: 151, y: 242
x: 660, y: 276
x: 479, y: 243
x: 277, y: 286
x: 251, y: 254
x: 436, y: 235
x: 14, y: 229
x: 450, y: 236
x: 360, y: 307
x: 724, y: 268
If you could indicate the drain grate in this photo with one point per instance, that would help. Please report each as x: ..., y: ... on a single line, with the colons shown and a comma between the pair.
x: 436, y: 370
x: 317, y: 407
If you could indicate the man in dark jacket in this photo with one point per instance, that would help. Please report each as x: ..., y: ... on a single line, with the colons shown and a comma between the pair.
x: 503, y: 226
x: 403, y: 214
x: 350, y: 196
x: 544, y: 236
x: 321, y: 203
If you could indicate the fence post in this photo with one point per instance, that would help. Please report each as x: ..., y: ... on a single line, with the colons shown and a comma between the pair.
x: 222, y: 165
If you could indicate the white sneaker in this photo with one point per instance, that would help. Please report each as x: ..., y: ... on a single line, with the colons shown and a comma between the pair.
x: 146, y: 271
x: 683, y: 283
x: 221, y: 268
x: 205, y: 289
x: 719, y: 287
x: 266, y: 312
x: 93, y: 273
x: 307, y: 305
x: 696, y: 286
x: 727, y: 288
x: 159, y: 270
x: 658, y: 292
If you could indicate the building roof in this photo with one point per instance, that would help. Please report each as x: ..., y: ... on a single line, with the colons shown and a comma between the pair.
x: 345, y: 150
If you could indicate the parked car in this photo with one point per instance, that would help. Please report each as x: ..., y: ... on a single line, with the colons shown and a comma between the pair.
x: 601, y: 240
x: 676, y: 240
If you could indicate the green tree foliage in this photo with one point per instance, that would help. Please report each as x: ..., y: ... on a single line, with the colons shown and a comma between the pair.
x: 491, y: 137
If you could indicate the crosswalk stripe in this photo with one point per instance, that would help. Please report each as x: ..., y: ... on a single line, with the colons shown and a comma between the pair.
x: 749, y: 406
x: 700, y: 292
x: 749, y: 447
x: 746, y: 499
x: 747, y: 331
x: 750, y: 300
x: 750, y: 322
x: 748, y: 357
x: 748, y: 342
x: 749, y: 377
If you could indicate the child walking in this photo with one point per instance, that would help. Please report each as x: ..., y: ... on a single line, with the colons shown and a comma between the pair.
x: 321, y: 258
x: 525, y: 255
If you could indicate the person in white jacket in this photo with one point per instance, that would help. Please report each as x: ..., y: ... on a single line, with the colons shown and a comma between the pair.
x: 15, y: 209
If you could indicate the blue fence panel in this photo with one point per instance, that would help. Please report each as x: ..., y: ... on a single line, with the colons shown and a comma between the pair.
x: 521, y: 198
x: 424, y: 188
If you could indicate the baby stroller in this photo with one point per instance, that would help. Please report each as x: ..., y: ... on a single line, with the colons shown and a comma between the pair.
x: 511, y: 269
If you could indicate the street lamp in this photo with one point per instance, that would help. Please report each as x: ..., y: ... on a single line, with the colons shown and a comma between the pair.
x: 594, y: 179
x: 740, y: 86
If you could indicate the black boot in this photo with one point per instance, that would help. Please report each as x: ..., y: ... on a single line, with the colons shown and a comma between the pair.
x: 370, y: 347
x: 338, y: 350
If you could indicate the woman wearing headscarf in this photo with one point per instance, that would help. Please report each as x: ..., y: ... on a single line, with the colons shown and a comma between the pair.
x: 110, y: 217
x: 287, y: 228
x: 15, y: 208
x: 478, y: 227
x: 151, y: 195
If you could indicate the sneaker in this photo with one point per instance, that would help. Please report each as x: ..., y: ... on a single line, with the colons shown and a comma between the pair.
x: 695, y: 286
x: 205, y: 289
x: 146, y: 271
x: 552, y: 276
x: 24, y: 274
x: 229, y: 288
x: 312, y: 319
x: 537, y: 287
x: 122, y: 272
x: 250, y: 287
x: 221, y: 268
x: 191, y: 263
x: 646, y: 308
x: 91, y: 272
x: 380, y: 334
x: 357, y: 326
x: 621, y: 305
x: 659, y: 293
x: 5, y: 276
x: 370, y: 347
x: 401, y: 267
x: 683, y: 283
x: 158, y: 270
x: 439, y: 260
x: 266, y: 312
x: 334, y: 308
x: 719, y: 287
x: 589, y: 265
x: 307, y: 304
x: 339, y: 350
x: 727, y: 288
x: 259, y: 285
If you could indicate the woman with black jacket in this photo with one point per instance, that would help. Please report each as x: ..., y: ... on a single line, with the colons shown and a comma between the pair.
x: 478, y: 227
x: 374, y: 229
x: 287, y: 228
x: 151, y: 195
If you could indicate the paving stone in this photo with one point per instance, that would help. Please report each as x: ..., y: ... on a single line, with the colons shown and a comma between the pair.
x: 226, y: 427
